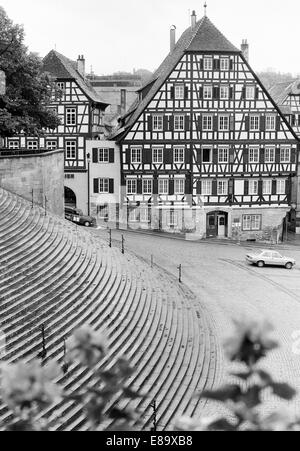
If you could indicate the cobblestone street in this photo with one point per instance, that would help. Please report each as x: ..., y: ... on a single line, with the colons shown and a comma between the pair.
x: 228, y: 288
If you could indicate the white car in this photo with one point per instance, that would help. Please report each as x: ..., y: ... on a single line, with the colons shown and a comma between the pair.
x: 262, y: 258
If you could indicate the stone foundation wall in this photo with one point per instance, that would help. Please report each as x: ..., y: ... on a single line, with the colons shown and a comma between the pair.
x: 42, y: 173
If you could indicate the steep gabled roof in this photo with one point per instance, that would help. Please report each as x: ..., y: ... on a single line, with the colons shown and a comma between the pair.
x: 62, y: 67
x: 203, y: 37
x: 281, y: 91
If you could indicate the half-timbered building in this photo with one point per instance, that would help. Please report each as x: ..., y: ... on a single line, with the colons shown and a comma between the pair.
x: 206, y: 150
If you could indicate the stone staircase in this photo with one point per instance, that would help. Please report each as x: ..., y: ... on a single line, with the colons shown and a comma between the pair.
x: 57, y: 275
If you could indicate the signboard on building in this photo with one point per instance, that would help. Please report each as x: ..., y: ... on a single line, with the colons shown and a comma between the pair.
x: 2, y: 83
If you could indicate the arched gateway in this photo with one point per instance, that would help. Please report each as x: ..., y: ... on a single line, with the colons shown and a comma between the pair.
x: 70, y: 197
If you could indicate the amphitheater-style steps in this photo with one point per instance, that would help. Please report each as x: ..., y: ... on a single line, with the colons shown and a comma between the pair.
x: 56, y: 274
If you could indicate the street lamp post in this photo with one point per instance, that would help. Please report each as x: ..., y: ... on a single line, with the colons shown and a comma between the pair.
x: 88, y: 187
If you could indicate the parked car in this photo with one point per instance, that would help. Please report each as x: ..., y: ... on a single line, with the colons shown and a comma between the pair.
x: 263, y: 257
x: 75, y: 215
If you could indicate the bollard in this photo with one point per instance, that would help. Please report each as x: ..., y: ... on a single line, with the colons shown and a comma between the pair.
x: 180, y: 273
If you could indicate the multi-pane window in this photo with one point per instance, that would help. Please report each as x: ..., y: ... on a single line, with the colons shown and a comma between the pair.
x: 207, y: 122
x: 224, y: 63
x: 157, y: 155
x: 103, y: 186
x: 103, y: 211
x: 223, y: 154
x: 270, y: 122
x: 32, y: 145
x: 267, y: 187
x: 103, y: 155
x: 179, y: 186
x: 144, y: 214
x: 253, y: 187
x: 179, y: 92
x: 136, y: 155
x: 250, y: 92
x: 285, y: 154
x: 269, y: 154
x: 172, y: 218
x: 206, y: 154
x: 51, y: 145
x: 207, y: 92
x: 253, y: 154
x: 254, y: 122
x: 158, y: 122
x: 71, y: 116
x: 179, y: 122
x: 179, y: 155
x: 251, y: 222
x: 281, y: 186
x: 13, y: 145
x: 131, y: 185
x: 208, y: 64
x: 224, y: 92
x: 61, y: 85
x: 223, y: 123
x: 71, y: 150
x: 222, y: 187
x: 147, y: 186
x: 133, y: 215
x: 163, y: 186
x: 206, y: 187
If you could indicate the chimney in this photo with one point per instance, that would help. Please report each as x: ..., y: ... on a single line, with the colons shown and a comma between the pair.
x: 81, y: 65
x: 245, y: 49
x: 172, y: 38
x: 194, y: 19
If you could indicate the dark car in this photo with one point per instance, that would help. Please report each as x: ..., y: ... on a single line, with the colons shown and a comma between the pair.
x: 75, y: 215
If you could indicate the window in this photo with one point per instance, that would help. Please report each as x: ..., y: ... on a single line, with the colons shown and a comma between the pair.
x: 208, y: 64
x: 102, y: 211
x: 269, y: 154
x: 250, y: 92
x: 61, y: 85
x: 32, y: 145
x: 178, y: 155
x: 267, y: 187
x: 71, y: 116
x: 179, y: 92
x: 270, y: 122
x: 144, y: 214
x: 103, y: 186
x: 131, y: 186
x: 103, y: 155
x: 179, y: 186
x: 222, y: 187
x: 206, y: 187
x: 280, y: 186
x: 207, y: 123
x: 136, y: 155
x: 179, y: 122
x: 207, y: 92
x: 71, y: 150
x: 157, y: 155
x: 223, y: 154
x: 224, y: 92
x: 51, y: 145
x: 253, y: 155
x: 147, y: 186
x: 13, y: 145
x: 224, y: 63
x: 172, y: 218
x: 251, y: 222
x: 253, y: 187
x: 158, y: 123
x: 206, y: 154
x: 133, y: 215
x: 163, y: 186
x: 285, y: 154
x: 223, y: 123
x: 254, y: 123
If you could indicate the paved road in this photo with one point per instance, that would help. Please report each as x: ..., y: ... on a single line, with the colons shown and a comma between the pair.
x: 229, y: 288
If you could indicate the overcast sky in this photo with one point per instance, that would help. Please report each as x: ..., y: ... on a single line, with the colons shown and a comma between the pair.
x: 126, y: 34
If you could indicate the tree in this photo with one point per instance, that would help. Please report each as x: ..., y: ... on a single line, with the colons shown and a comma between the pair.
x: 24, y: 107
